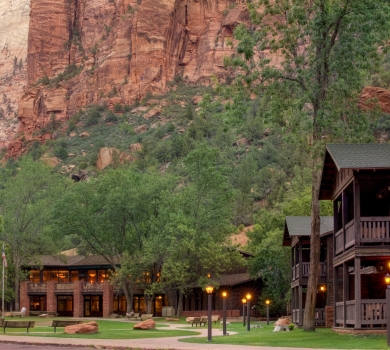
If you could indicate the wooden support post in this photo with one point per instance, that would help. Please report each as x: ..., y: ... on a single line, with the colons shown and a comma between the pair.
x: 344, y: 208
x: 300, y: 260
x: 345, y: 292
x: 335, y: 291
x: 300, y: 302
x: 358, y: 294
x: 356, y: 209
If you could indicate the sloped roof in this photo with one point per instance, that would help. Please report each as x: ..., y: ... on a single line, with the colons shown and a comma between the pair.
x: 360, y: 156
x: 58, y: 260
x: 91, y: 260
x: 233, y: 279
x: 301, y: 226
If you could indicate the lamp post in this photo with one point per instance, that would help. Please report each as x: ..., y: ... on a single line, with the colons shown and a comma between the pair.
x: 267, y: 302
x: 387, y: 281
x: 209, y: 291
x: 248, y: 321
x: 224, y: 295
x: 243, y: 310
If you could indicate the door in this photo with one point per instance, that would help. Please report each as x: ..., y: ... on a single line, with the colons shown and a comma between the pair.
x: 93, y: 306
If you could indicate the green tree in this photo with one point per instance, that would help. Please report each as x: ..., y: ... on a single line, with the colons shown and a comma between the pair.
x: 325, y: 48
x: 26, y: 198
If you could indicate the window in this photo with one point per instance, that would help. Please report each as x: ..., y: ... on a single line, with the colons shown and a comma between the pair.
x: 35, y: 276
x: 102, y: 275
x: 74, y: 276
x: 46, y: 275
x: 92, y: 276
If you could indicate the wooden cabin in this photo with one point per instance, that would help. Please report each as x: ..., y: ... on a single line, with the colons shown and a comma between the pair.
x: 297, y: 231
x: 356, y: 177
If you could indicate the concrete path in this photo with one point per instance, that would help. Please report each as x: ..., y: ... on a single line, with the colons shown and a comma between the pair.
x: 171, y: 343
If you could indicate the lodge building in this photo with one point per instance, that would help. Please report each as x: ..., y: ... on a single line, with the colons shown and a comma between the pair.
x: 356, y: 178
x: 79, y: 286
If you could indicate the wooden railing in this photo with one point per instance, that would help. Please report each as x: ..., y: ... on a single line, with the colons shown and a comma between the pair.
x: 339, y: 238
x: 91, y: 287
x: 375, y: 229
x: 306, y: 270
x: 319, y: 316
x: 64, y: 287
x: 372, y: 311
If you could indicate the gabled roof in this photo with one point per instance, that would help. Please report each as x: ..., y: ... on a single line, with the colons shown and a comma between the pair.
x: 360, y: 156
x: 351, y: 156
x: 301, y: 226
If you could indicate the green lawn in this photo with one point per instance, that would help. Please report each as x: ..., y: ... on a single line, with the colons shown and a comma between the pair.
x: 321, y: 338
x: 107, y: 330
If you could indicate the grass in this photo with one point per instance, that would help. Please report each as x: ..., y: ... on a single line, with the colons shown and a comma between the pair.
x: 107, y: 330
x: 321, y: 338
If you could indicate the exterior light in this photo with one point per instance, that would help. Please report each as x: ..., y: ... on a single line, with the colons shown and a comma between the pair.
x: 248, y: 296
x: 267, y: 302
x: 322, y: 288
x: 208, y: 275
x: 209, y: 289
x: 224, y: 294
x: 387, y: 280
x: 243, y: 301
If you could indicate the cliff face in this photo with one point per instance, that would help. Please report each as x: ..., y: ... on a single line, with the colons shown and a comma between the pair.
x: 14, y: 24
x: 117, y: 50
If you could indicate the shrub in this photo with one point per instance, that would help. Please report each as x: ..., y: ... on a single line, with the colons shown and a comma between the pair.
x: 93, y: 158
x: 118, y: 108
x: 111, y: 117
x: 92, y: 117
x: 291, y: 326
x: 60, y: 152
x: 83, y: 165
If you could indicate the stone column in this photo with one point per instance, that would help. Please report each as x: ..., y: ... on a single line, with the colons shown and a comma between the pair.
x: 329, y: 316
x: 108, y: 299
x: 24, y: 298
x: 78, y: 305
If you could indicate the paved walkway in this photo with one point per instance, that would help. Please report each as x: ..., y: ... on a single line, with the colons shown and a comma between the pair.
x: 171, y: 343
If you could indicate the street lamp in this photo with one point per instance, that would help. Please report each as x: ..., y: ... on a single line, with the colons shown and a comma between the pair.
x: 267, y: 302
x: 209, y: 291
x: 224, y: 295
x: 387, y: 281
x: 243, y: 310
x: 248, y: 321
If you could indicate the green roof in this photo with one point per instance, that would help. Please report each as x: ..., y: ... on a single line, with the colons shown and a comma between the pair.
x: 360, y: 156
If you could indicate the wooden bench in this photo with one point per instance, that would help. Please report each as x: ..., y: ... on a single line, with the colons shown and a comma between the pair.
x: 59, y: 323
x: 18, y: 324
x: 195, y: 320
x: 215, y: 318
x: 1, y: 322
x: 203, y: 320
x: 37, y: 313
x: 135, y: 316
x: 15, y: 313
x: 146, y: 316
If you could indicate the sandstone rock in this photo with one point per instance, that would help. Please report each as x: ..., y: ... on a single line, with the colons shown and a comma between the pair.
x: 72, y: 134
x: 140, y: 129
x: 171, y: 319
x: 139, y: 110
x: 196, y: 99
x: 144, y: 325
x: 83, y: 328
x: 84, y: 134
x: 70, y: 155
x: 152, y: 113
x: 83, y: 153
x: 241, y: 142
x: 267, y: 131
x: 115, y: 316
x: 152, y: 102
x: 105, y: 157
x: 51, y: 161
x: 135, y: 147
x: 282, y: 323
x: 372, y: 97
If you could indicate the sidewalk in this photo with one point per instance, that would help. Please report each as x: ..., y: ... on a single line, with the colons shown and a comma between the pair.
x: 171, y: 343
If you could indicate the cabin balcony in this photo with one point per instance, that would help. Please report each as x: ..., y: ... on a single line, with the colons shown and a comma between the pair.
x: 319, y: 316
x: 372, y: 313
x: 371, y: 231
x: 305, y: 268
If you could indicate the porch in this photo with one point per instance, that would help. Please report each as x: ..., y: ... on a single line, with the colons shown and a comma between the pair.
x: 297, y: 316
x: 303, y: 270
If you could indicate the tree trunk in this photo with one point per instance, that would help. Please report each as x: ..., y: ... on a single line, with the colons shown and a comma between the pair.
x: 17, y: 281
x: 149, y: 299
x: 129, y: 298
x: 179, y: 305
x: 311, y: 296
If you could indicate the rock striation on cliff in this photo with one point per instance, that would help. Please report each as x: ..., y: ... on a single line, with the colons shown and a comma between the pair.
x: 83, y: 52
x: 14, y: 24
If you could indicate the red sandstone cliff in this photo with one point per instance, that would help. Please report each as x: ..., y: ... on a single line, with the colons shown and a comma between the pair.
x: 122, y: 48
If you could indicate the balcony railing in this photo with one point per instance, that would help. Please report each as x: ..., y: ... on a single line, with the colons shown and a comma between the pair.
x: 36, y: 287
x: 306, y: 270
x: 319, y: 316
x: 372, y: 312
x: 91, y: 287
x: 371, y: 230
x: 64, y: 287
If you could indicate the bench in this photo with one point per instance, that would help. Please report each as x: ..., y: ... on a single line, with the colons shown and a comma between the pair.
x: 18, y: 324
x: 38, y: 313
x: 215, y: 318
x: 1, y: 322
x: 15, y: 313
x: 135, y: 316
x: 59, y: 323
x: 195, y: 320
x: 146, y: 316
